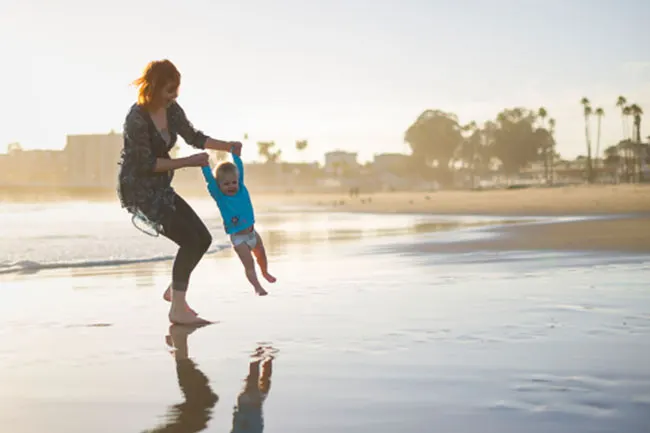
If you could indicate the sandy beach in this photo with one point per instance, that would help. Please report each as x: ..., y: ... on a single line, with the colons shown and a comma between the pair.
x: 379, y: 322
x: 569, y: 200
x: 629, y: 231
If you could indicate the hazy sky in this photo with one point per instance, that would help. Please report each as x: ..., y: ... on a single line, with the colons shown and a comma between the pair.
x: 347, y: 74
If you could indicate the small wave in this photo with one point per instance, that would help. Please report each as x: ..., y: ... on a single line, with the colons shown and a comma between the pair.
x: 31, y: 267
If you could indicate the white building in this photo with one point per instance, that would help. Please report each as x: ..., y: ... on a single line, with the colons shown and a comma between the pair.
x: 338, y: 161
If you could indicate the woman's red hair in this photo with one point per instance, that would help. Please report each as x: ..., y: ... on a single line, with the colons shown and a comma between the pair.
x: 156, y: 75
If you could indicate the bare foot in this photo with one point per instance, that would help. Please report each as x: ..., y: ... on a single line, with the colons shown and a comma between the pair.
x: 167, y: 296
x: 184, y: 317
x: 270, y: 278
x: 261, y: 292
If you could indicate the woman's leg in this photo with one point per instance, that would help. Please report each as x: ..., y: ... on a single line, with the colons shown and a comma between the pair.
x: 187, y: 230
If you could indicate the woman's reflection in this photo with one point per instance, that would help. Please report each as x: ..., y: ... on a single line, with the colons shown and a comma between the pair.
x: 247, y: 415
x: 194, y: 413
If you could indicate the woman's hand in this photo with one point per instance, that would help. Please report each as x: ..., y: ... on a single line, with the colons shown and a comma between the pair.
x: 235, y: 148
x: 197, y: 160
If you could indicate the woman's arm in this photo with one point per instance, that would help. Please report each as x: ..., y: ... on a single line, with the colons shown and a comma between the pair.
x: 167, y: 164
x: 194, y: 137
x: 214, y: 144
x: 191, y: 135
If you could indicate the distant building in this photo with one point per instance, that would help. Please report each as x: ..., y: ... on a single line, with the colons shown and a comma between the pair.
x: 391, y: 162
x: 339, y: 161
x: 93, y: 159
x: 33, y: 167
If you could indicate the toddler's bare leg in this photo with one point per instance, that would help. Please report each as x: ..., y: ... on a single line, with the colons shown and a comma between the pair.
x: 260, y: 256
x: 244, y: 253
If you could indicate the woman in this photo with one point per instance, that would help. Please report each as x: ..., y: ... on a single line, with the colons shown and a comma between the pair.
x: 150, y: 131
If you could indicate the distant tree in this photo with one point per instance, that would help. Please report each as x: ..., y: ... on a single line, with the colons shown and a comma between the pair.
x: 301, y: 145
x: 636, y: 112
x: 611, y: 158
x: 599, y: 115
x: 587, y: 112
x: 469, y: 152
x: 551, y: 156
x: 434, y: 137
x: 621, y: 102
x: 542, y: 113
x: 265, y: 150
x: 514, y: 141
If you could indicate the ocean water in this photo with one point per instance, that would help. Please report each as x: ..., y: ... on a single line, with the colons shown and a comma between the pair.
x: 363, y: 333
x: 40, y: 236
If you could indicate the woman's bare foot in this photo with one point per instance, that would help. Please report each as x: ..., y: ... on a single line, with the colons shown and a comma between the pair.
x: 268, y: 277
x: 260, y: 291
x: 167, y: 296
x: 184, y: 317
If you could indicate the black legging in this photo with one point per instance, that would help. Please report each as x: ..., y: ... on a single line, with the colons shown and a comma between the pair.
x: 186, y: 229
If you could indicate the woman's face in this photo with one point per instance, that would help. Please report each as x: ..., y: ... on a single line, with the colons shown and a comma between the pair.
x: 169, y: 93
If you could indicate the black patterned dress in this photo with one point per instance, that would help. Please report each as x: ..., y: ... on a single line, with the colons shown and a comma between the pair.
x: 148, y: 195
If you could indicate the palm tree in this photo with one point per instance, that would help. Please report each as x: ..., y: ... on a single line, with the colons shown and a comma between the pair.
x: 587, y: 111
x: 542, y: 113
x: 599, y: 114
x: 621, y: 103
x: 551, y: 153
x: 636, y: 111
x: 301, y: 145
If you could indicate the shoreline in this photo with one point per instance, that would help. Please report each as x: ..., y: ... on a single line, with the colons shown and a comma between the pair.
x: 616, y: 234
x: 534, y: 201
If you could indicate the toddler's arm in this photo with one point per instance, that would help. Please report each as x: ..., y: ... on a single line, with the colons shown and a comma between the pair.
x: 213, y: 188
x: 240, y: 167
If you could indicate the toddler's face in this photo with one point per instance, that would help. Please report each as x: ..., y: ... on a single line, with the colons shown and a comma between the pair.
x: 229, y: 183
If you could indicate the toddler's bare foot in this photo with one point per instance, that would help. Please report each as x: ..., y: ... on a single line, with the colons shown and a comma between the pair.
x: 260, y: 291
x: 270, y: 278
x: 167, y: 296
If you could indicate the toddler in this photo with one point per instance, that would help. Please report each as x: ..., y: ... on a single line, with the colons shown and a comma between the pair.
x: 231, y: 195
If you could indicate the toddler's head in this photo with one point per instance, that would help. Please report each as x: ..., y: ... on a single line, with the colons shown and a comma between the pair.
x: 227, y: 177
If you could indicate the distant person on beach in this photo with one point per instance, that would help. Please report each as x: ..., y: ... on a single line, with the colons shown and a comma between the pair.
x: 151, y: 128
x: 234, y: 202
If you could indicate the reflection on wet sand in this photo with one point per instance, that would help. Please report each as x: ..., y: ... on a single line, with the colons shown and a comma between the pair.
x: 278, y: 241
x: 248, y: 414
x: 194, y: 414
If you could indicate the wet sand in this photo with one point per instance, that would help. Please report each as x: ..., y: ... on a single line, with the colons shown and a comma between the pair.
x: 623, y: 234
x: 363, y: 336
